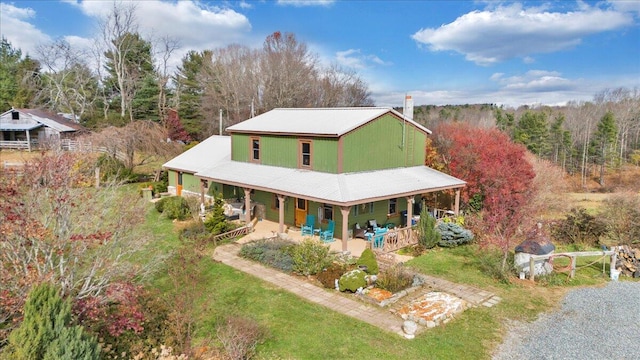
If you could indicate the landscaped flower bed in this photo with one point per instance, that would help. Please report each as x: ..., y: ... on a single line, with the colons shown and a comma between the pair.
x: 433, y: 309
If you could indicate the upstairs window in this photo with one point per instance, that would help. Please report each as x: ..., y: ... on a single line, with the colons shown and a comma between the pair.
x: 255, y: 149
x: 305, y: 154
x: 15, y: 115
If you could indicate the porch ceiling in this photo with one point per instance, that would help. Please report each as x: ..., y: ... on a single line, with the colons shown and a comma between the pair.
x: 339, y: 189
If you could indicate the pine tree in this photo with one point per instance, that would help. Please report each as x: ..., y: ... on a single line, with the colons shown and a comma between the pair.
x: 44, y: 332
x: 429, y: 236
x: 604, y: 142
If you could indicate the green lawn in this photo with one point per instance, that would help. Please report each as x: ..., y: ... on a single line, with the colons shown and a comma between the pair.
x: 298, y: 329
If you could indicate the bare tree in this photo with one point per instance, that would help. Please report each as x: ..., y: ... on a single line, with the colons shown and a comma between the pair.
x: 68, y: 84
x: 341, y: 87
x: 164, y: 49
x: 115, y: 31
x: 288, y: 72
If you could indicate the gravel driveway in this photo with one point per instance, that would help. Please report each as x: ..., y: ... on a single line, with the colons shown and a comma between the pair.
x: 593, y: 323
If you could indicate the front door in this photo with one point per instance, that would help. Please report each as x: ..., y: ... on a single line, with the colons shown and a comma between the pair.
x: 301, y: 211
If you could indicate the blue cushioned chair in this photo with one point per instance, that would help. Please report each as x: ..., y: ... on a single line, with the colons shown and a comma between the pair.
x: 307, y: 227
x: 327, y: 235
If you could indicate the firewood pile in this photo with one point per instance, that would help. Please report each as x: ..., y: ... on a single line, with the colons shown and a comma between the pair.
x: 628, y: 262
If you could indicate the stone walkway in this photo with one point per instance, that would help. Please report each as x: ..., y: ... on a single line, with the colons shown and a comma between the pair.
x: 376, y: 316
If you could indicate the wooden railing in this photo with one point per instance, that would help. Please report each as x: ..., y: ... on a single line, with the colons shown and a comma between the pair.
x: 18, y: 144
x: 396, y: 239
x: 244, y: 230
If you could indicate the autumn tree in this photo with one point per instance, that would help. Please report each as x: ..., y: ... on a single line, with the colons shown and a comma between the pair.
x: 499, y: 179
x: 56, y: 228
x: 175, y: 128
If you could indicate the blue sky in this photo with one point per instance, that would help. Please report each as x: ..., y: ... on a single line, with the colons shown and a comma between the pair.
x: 440, y: 52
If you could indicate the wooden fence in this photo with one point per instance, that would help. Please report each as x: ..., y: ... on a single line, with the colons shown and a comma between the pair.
x: 572, y: 256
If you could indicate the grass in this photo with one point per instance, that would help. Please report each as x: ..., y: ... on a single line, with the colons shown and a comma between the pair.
x: 298, y: 329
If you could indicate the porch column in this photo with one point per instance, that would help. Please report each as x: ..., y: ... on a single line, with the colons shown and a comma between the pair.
x: 281, y: 199
x: 410, y: 201
x: 28, y: 141
x: 247, y: 205
x: 344, y: 210
x: 202, y: 187
x: 456, y: 208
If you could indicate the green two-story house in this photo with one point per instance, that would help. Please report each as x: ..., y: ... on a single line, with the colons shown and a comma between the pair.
x: 349, y: 165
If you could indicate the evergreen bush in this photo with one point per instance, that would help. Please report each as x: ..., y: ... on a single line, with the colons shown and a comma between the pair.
x: 453, y: 235
x: 215, y: 222
x: 368, y: 259
x: 352, y: 280
x: 45, y: 331
x: 429, y: 237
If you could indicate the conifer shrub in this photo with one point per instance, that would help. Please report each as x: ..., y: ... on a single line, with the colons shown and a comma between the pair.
x: 453, y: 235
x: 368, y: 259
x: 429, y: 237
x: 215, y: 222
x: 352, y: 280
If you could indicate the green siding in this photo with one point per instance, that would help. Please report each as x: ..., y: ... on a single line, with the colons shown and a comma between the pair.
x: 240, y: 147
x: 272, y: 214
x: 190, y: 183
x: 380, y: 209
x: 172, y: 178
x: 325, y: 155
x: 279, y: 151
x: 379, y: 145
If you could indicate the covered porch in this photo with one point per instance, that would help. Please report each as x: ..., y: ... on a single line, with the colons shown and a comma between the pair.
x: 338, y: 193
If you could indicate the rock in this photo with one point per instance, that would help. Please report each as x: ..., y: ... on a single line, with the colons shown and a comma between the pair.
x: 409, y: 327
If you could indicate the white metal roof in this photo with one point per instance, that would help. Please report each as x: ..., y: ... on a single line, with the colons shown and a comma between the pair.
x: 340, y: 189
x: 315, y: 121
x: 212, y: 151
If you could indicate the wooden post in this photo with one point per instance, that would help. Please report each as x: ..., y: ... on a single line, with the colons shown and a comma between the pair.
x: 97, y: 171
x: 456, y: 208
x: 409, y: 211
x: 532, y: 269
x: 247, y: 205
x: 281, y: 199
x: 344, y: 210
x: 573, y: 266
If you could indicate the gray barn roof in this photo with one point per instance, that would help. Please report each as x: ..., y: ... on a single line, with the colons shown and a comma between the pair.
x: 212, y: 151
x: 332, y: 122
x: 339, y: 189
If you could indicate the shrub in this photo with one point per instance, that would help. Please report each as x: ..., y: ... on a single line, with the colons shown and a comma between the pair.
x: 428, y: 235
x: 621, y: 214
x: 328, y: 276
x: 310, y: 257
x: 216, y: 223
x: 490, y: 263
x: 273, y: 253
x: 453, y: 235
x: 579, y: 228
x: 368, y: 259
x: 112, y: 169
x: 174, y: 207
x: 352, y: 280
x: 395, y: 278
x: 240, y: 336
x: 46, y: 333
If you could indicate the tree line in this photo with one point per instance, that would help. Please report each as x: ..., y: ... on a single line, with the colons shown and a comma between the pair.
x: 584, y: 137
x: 127, y: 76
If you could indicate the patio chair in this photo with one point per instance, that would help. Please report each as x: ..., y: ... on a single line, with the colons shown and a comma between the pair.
x: 327, y: 235
x: 378, y: 237
x: 358, y: 232
x: 372, y: 225
x: 307, y: 227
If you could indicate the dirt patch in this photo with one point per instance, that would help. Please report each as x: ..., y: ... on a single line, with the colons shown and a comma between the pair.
x: 15, y: 156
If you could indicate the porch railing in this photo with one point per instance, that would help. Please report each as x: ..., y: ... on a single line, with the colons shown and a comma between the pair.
x: 244, y: 230
x: 396, y: 239
x: 18, y: 144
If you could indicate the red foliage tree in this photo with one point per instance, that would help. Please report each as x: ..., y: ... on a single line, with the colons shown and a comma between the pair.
x: 499, y: 179
x: 175, y: 128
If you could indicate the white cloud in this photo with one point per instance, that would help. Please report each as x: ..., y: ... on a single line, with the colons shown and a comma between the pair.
x: 301, y: 3
x: 505, y: 32
x: 16, y: 28
x: 626, y: 5
x: 353, y: 58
